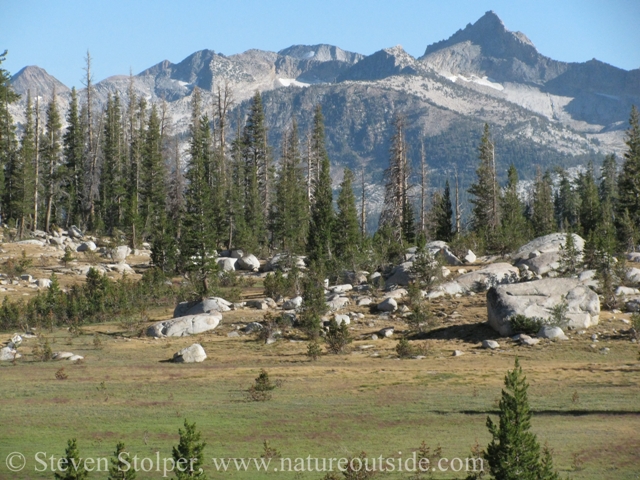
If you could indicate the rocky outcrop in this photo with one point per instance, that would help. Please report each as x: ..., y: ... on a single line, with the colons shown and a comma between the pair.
x: 183, y: 326
x: 538, y: 298
x: 542, y: 254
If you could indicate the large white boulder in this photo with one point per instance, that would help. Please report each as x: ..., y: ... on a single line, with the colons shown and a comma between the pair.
x: 400, y: 275
x: 542, y: 254
x: 249, y: 262
x: 210, y: 304
x: 537, y: 299
x: 227, y: 264
x: 478, y: 281
x: 388, y: 305
x: 8, y: 354
x: 183, y: 326
x: 87, y: 247
x: 193, y: 354
x: 120, y: 254
x: 293, y: 303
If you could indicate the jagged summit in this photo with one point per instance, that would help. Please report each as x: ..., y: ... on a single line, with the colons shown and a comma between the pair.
x: 494, y: 39
x: 383, y: 63
x: 38, y: 81
x: 321, y: 53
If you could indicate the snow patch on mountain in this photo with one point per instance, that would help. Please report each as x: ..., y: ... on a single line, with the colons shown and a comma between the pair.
x: 484, y: 81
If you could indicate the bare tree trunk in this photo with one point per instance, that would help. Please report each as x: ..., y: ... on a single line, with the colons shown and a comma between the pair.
x: 423, y: 187
x: 363, y: 209
x: 458, y: 214
x: 494, y: 180
x: 37, y: 166
x: 91, y: 151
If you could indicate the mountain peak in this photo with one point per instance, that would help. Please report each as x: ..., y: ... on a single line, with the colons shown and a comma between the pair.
x: 38, y: 81
x: 495, y: 40
x: 320, y: 53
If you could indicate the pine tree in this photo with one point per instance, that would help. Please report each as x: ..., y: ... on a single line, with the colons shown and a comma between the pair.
x: 257, y: 174
x: 51, y: 157
x: 442, y: 215
x: 542, y: 220
x: 396, y: 202
x: 188, y: 454
x: 589, y: 200
x: 514, y: 452
x: 608, y: 188
x: 72, y: 180
x: 22, y: 182
x: 112, y: 185
x: 119, y: 470
x: 347, y: 230
x: 8, y: 142
x: 289, y: 214
x: 514, y: 228
x: 197, y: 242
x: 629, y: 180
x: 74, y: 467
x: 485, y: 215
x: 566, y: 203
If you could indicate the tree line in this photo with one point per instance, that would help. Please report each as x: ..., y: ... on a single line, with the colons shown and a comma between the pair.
x: 118, y: 172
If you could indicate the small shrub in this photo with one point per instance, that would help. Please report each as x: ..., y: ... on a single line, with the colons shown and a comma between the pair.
x: 427, y: 270
x: 421, y: 317
x: 523, y: 324
x: 268, y: 451
x: 313, y: 351
x: 261, y: 390
x: 269, y: 327
x: 559, y: 314
x: 60, y: 375
x: 42, y: 351
x: 97, y: 343
x: 404, y: 349
x: 338, y: 337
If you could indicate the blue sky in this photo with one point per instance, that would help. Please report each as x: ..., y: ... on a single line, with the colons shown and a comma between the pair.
x: 130, y: 34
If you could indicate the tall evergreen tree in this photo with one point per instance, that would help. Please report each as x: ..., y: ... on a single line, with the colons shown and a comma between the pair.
x: 257, y: 178
x: 587, y: 190
x: 51, y: 157
x: 188, y: 453
x: 442, y: 215
x: 113, y: 181
x: 21, y: 174
x: 542, y: 219
x: 73, y: 177
x: 347, y: 229
x: 629, y: 183
x: 197, y: 242
x: 395, y: 209
x: 514, y: 228
x: 514, y: 451
x: 73, y: 463
x: 8, y: 141
x: 485, y: 215
x: 608, y: 188
x: 289, y: 214
x: 119, y: 470
x: 567, y: 203
x: 320, y: 241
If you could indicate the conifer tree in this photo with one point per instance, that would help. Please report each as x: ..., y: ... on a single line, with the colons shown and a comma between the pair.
x: 189, y: 454
x: 237, y: 227
x: 514, y: 228
x: 542, y: 219
x: 485, y: 215
x: 514, y: 451
x: 72, y: 179
x: 289, y: 215
x: 629, y: 182
x: 197, y: 242
x: 566, y: 203
x: 347, y: 230
x: 51, y: 150
x: 320, y: 240
x: 442, y: 215
x: 8, y: 142
x: 608, y: 188
x: 589, y: 200
x: 112, y: 185
x: 257, y: 174
x: 119, y: 470
x: 74, y: 466
x: 21, y: 174
x: 396, y: 207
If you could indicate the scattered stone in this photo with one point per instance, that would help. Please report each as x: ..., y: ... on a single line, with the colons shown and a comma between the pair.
x: 633, y: 275
x: 248, y: 262
x: 633, y: 257
x: 449, y: 257
x: 491, y: 344
x: 386, y: 332
x: 74, y: 232
x: 253, y: 327
x: 87, y: 247
x: 622, y: 291
x: 27, y: 278
x: 43, y: 282
x: 374, y: 337
x: 62, y: 355
x: 400, y: 275
x: 337, y: 303
x: 397, y: 293
x: 183, y: 326
x: 75, y: 358
x: 233, y: 334
x: 470, y: 257
x: 257, y: 304
x: 293, y: 303
x: 457, y: 353
x: 388, y: 305
x: 347, y: 287
x: 120, y: 254
x: 8, y: 354
x: 210, y: 304
x: 552, y: 333
x: 193, y: 354
x: 364, y: 301
x: 340, y: 319
x: 605, y: 350
x: 227, y: 264
x: 33, y: 241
